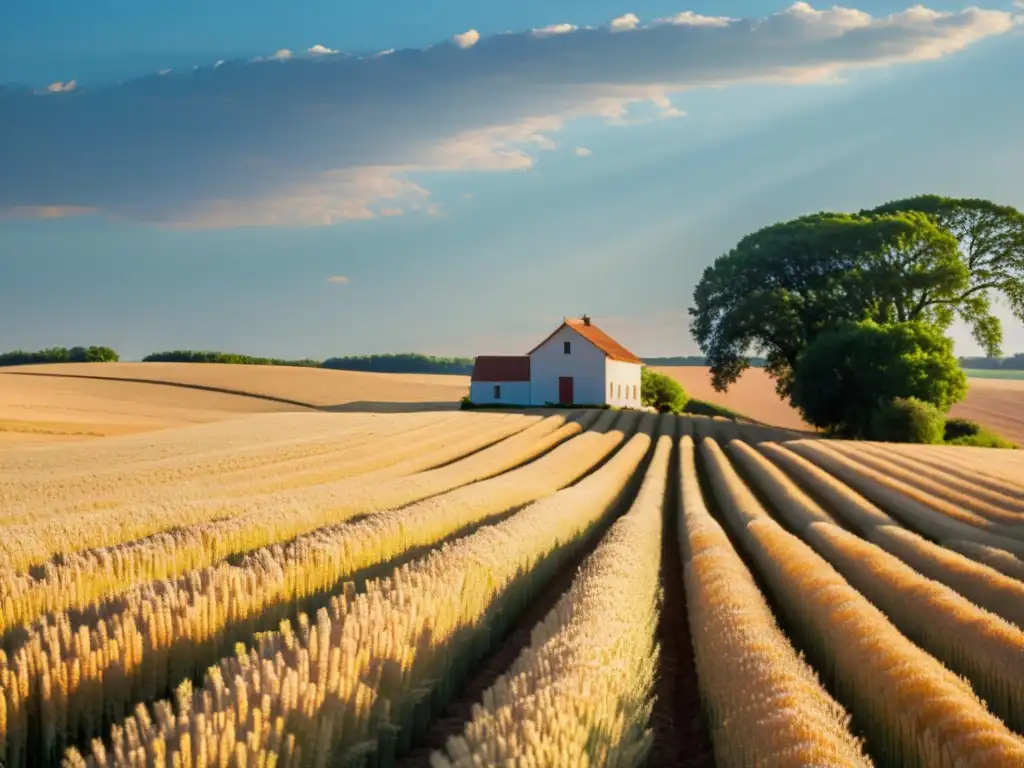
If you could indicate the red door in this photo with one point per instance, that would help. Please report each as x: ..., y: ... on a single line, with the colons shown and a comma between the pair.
x: 565, y: 390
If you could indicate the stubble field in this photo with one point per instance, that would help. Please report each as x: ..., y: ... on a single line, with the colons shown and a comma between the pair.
x: 997, y: 404
x: 467, y: 588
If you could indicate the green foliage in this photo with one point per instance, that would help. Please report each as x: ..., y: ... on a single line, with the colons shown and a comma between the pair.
x: 193, y: 356
x: 908, y: 420
x: 956, y: 428
x: 406, y: 362
x: 696, y: 407
x: 661, y: 392
x: 847, y: 374
x: 1015, y: 363
x: 692, y: 361
x: 991, y: 245
x: 782, y: 286
x: 984, y: 439
x: 60, y: 355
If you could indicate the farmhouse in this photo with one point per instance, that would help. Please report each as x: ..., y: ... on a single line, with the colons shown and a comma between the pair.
x: 577, y: 364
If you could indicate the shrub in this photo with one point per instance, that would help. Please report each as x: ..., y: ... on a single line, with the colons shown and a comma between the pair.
x: 846, y: 375
x: 957, y: 428
x: 908, y: 420
x: 661, y: 392
x: 697, y: 407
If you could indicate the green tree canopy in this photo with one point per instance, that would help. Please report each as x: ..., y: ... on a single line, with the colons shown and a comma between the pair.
x: 991, y: 242
x: 782, y: 286
x: 848, y: 374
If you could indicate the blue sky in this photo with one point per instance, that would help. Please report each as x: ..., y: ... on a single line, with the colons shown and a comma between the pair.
x: 311, y: 196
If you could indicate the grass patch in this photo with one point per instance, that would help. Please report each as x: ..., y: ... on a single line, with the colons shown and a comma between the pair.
x: 696, y: 407
x: 984, y: 439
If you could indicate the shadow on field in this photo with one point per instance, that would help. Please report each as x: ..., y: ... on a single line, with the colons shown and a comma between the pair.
x: 383, y: 406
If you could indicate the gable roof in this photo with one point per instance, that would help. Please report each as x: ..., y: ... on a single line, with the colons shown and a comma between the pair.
x: 598, y: 338
x: 499, y: 368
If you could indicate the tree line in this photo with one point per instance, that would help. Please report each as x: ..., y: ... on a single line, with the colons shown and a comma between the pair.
x: 60, y: 355
x: 851, y: 311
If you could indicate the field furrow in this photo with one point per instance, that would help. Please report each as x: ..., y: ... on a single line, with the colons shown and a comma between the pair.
x: 914, y: 710
x: 364, y: 678
x: 763, y: 703
x: 912, y: 507
x: 981, y: 645
x: 583, y: 687
x: 986, y: 587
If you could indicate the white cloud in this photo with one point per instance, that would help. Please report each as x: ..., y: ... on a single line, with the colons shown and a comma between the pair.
x: 59, y: 87
x: 691, y: 19
x: 359, y: 138
x: 320, y: 50
x: 1018, y: 4
x: 337, y: 280
x: 625, y: 23
x: 553, y: 29
x: 466, y: 39
x: 582, y: 152
x: 218, y: 63
x: 163, y: 72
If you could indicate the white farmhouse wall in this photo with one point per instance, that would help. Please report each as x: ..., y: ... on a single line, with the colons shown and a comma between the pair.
x: 512, y: 392
x: 585, y: 363
x: 620, y: 380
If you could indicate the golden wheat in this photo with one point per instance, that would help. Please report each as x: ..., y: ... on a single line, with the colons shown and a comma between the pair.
x: 917, y: 711
x: 59, y: 489
x: 917, y: 509
x: 964, y: 498
x: 82, y: 577
x: 583, y: 686
x: 997, y: 559
x: 982, y: 585
x: 27, y: 544
x: 967, y: 638
x: 175, y: 630
x: 334, y: 688
x: 948, y: 474
x: 764, y: 704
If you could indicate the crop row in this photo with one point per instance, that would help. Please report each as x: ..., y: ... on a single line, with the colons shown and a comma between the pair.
x: 29, y: 544
x: 79, y: 578
x: 131, y: 648
x: 583, y: 686
x: 915, y: 710
x: 231, y: 473
x: 364, y: 678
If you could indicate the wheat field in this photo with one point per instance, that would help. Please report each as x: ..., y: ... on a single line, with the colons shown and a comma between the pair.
x: 551, y: 588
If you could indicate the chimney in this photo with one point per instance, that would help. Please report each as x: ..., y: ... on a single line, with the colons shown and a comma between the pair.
x: 586, y: 319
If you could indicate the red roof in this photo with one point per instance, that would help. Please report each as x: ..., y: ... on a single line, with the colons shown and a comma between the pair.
x: 598, y: 338
x: 501, y: 368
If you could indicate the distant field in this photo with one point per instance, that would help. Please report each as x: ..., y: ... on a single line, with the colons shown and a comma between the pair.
x: 983, y: 373
x: 994, y: 403
x: 47, y: 403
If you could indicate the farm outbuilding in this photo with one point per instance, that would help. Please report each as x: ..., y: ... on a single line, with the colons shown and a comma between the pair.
x: 577, y: 363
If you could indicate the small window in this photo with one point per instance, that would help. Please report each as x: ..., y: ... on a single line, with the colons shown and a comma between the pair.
x: 497, y: 391
x: 620, y: 391
x: 634, y: 391
x: 567, y: 347
x: 611, y: 390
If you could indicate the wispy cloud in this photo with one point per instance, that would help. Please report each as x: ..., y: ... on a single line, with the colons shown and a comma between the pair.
x: 582, y: 152
x: 553, y: 29
x: 338, y: 280
x: 321, y: 138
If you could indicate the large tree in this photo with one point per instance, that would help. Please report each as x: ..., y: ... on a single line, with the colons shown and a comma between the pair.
x: 782, y: 286
x: 991, y: 241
